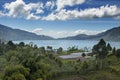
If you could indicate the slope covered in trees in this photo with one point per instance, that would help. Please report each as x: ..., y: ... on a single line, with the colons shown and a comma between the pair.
x: 29, y: 62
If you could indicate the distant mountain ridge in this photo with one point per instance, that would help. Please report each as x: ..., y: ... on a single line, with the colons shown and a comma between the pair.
x: 109, y: 35
x: 7, y: 33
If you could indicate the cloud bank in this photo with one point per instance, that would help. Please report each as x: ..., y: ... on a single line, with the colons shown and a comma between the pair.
x: 58, y: 11
x: 90, y: 13
x: 62, y: 3
x: 20, y: 9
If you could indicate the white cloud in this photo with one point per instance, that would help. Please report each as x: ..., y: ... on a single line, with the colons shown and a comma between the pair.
x: 90, y: 13
x: 1, y: 14
x: 64, y: 34
x: 88, y: 32
x: 50, y: 5
x: 33, y: 11
x: 20, y: 9
x: 61, y: 15
x: 62, y: 3
x: 59, y: 34
x: 76, y: 32
x: 37, y: 30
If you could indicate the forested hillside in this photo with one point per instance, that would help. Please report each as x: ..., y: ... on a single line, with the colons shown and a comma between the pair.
x: 29, y: 62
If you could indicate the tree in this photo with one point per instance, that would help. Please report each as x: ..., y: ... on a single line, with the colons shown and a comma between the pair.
x: 60, y: 50
x: 21, y: 44
x: 117, y: 54
x: 114, y: 51
x: 49, y: 49
x: 72, y: 49
x: 16, y: 72
x: 109, y: 47
x: 9, y: 54
x: 17, y: 76
x: 83, y: 54
x: 1, y: 50
x: 101, y: 51
x: 35, y: 46
x: 11, y: 45
x: 42, y: 49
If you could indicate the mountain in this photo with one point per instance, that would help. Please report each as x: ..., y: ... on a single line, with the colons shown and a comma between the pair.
x: 7, y: 33
x: 109, y: 35
x: 112, y: 34
x: 77, y: 37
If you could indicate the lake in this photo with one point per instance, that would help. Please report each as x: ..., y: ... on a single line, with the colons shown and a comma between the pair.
x: 81, y: 44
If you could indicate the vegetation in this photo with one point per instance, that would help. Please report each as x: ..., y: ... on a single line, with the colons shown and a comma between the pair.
x: 29, y: 62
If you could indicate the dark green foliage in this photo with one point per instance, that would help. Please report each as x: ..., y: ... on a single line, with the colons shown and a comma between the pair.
x: 60, y: 50
x: 23, y: 58
x: 84, y: 66
x: 16, y: 72
x: 11, y: 45
x: 29, y: 62
x: 49, y: 47
x: 42, y: 50
x: 83, y: 54
x: 11, y: 53
x: 100, y: 49
x: 17, y: 76
x: 35, y: 46
x: 117, y: 54
x: 73, y: 49
x: 1, y: 50
x: 21, y: 44
x: 114, y: 51
x: 109, y: 47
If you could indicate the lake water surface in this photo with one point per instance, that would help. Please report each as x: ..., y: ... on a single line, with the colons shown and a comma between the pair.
x: 67, y: 43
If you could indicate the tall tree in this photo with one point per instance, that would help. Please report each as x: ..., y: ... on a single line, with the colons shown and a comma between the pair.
x: 114, y: 51
x: 42, y: 50
x: 109, y: 47
x: 11, y: 45
x: 117, y: 54
x: 59, y: 51
x: 101, y: 51
x: 21, y: 44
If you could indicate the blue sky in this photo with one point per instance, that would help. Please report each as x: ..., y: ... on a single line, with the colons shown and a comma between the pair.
x: 60, y: 18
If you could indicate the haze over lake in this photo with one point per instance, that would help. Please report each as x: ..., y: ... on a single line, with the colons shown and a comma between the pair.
x: 67, y: 43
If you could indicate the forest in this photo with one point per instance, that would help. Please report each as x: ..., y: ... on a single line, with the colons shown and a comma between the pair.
x: 30, y: 62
